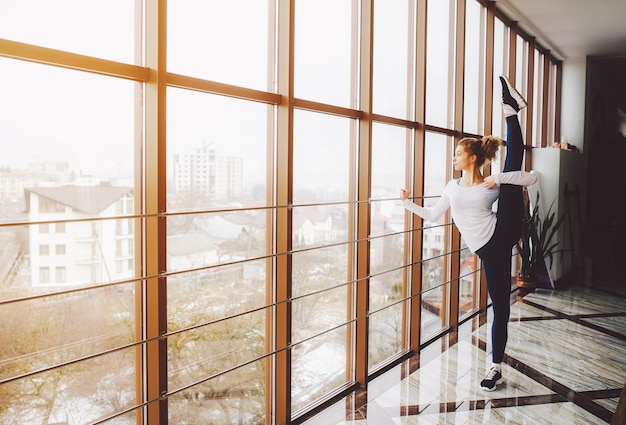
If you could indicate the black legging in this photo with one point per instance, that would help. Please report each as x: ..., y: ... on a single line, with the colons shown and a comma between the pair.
x: 496, y: 254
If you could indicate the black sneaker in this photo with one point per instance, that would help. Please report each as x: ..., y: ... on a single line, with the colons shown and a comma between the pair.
x: 510, y: 96
x: 493, y: 378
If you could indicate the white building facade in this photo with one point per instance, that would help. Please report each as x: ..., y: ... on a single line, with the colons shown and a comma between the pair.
x: 82, y: 252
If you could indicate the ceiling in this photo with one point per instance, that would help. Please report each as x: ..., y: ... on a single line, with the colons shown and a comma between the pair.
x: 572, y: 28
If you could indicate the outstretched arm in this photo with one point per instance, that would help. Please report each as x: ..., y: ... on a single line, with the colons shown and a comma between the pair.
x: 518, y: 178
x: 431, y: 214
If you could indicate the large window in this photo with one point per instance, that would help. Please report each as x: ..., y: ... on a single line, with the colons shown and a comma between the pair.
x: 474, y: 64
x: 321, y: 280
x: 105, y: 30
x: 323, y: 57
x: 393, y: 55
x: 440, y: 50
x: 500, y: 67
x: 67, y: 311
x: 521, y: 78
x: 436, y: 246
x: 199, y: 203
x: 222, y: 41
x: 388, y: 292
x: 537, y: 109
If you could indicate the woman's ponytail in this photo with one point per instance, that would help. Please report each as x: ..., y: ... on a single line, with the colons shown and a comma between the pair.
x: 490, y: 146
x: 484, y: 149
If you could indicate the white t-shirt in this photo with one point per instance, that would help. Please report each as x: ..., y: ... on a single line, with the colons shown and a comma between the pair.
x: 471, y: 207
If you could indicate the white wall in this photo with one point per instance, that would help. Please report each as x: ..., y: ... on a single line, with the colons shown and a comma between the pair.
x: 556, y: 168
x: 573, y: 101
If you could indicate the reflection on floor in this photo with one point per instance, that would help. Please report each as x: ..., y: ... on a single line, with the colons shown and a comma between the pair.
x: 565, y: 364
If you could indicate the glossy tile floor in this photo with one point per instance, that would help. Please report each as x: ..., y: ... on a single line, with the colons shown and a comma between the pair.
x: 565, y: 364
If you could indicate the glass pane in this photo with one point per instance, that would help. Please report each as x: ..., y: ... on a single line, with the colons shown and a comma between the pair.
x: 521, y: 64
x: 496, y: 163
x: 392, y: 80
x: 386, y: 330
x: 104, y: 29
x: 199, y: 353
x: 437, y: 165
x: 321, y: 158
x: 500, y: 67
x: 435, y: 295
x: 314, y: 273
x: 385, y: 255
x: 64, y: 128
x: 217, y: 151
x: 474, y: 90
x: 440, y: 63
x: 320, y: 290
x: 78, y: 253
x: 58, y: 173
x: 319, y: 225
x: 324, y: 308
x: 69, y: 142
x: 435, y: 310
x: 221, y: 41
x: 469, y: 281
x: 389, y: 151
x: 551, y: 122
x: 200, y: 240
x: 386, y: 327
x: 318, y: 367
x: 323, y: 54
x: 436, y: 237
x: 537, y: 98
x: 201, y: 300
x: 206, y: 295
x: 60, y: 329
x: 321, y: 175
x: 521, y: 77
x: 389, y: 154
x: 236, y: 397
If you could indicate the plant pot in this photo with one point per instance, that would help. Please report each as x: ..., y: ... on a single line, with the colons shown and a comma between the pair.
x: 527, y: 282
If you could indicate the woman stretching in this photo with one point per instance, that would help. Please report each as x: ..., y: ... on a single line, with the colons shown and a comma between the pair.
x: 491, y: 235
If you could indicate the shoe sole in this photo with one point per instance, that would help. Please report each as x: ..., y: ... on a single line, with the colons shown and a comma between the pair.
x: 521, y: 102
x: 499, y: 381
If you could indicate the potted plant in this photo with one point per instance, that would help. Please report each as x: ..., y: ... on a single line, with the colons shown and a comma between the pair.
x: 536, y: 242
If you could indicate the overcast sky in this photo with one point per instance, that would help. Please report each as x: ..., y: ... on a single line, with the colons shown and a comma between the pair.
x: 88, y: 119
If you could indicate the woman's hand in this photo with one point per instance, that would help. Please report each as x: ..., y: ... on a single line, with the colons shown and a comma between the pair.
x: 489, y: 182
x: 404, y: 194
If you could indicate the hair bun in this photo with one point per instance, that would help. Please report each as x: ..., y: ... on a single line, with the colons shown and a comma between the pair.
x: 490, y: 146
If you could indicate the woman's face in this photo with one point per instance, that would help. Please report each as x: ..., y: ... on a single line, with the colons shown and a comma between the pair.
x: 462, y: 159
